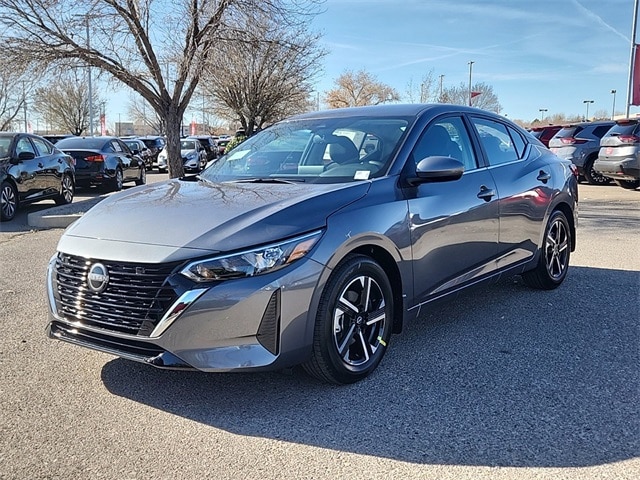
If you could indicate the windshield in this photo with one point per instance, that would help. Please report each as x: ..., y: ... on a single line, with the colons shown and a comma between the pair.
x: 315, y: 150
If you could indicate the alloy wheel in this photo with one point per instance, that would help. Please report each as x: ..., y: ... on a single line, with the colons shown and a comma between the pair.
x: 8, y: 201
x: 557, y: 249
x: 359, y: 320
x: 67, y: 189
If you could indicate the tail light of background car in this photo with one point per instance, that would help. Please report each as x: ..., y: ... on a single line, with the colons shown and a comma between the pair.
x: 94, y: 158
x: 629, y: 139
x: 573, y: 140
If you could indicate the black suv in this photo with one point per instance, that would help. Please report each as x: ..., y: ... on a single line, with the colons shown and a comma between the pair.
x: 155, y: 144
x: 580, y: 144
x: 32, y: 169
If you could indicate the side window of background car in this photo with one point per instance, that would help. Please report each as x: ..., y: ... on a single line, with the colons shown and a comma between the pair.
x: 116, y: 146
x: 495, y: 140
x: 24, y: 145
x: 447, y: 137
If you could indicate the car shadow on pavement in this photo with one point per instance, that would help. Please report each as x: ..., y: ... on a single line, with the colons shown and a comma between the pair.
x: 504, y: 376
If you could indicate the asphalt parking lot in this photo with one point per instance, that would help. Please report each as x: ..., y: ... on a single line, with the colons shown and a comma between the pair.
x: 504, y: 383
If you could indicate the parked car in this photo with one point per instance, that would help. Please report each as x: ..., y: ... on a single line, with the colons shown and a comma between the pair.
x: 54, y: 138
x: 319, y: 254
x: 194, y: 157
x: 619, y: 156
x: 155, y: 143
x: 222, y: 145
x: 138, y: 147
x: 580, y: 144
x: 32, y: 169
x: 105, y: 162
x: 209, y: 144
x: 544, y: 133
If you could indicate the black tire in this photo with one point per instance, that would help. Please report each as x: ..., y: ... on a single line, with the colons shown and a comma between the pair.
x: 593, y: 177
x: 67, y: 190
x: 628, y: 184
x: 117, y: 182
x: 8, y: 201
x: 353, y: 324
x: 142, y: 179
x: 553, y: 263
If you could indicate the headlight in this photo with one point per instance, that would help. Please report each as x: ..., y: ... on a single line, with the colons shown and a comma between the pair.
x: 251, y: 262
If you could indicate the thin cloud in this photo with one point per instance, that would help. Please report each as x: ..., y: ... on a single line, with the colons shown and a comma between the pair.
x: 599, y: 20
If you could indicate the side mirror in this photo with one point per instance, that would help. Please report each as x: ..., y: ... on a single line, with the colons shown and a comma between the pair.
x: 22, y: 156
x: 437, y: 169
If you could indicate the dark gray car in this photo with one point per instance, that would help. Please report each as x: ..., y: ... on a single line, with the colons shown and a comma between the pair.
x: 304, y: 245
x: 580, y: 144
x: 619, y: 156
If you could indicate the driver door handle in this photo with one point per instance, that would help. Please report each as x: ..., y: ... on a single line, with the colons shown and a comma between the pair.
x: 486, y: 194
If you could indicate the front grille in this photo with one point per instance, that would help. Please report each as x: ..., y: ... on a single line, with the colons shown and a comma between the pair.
x: 134, y: 301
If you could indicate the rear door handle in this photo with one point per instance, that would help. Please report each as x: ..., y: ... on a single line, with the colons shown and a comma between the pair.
x: 486, y: 194
x: 543, y: 176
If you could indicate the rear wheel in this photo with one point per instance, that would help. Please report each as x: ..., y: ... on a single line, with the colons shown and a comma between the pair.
x: 67, y: 190
x: 628, y: 184
x: 8, y: 201
x: 353, y: 324
x: 117, y: 182
x: 553, y: 263
x: 593, y: 177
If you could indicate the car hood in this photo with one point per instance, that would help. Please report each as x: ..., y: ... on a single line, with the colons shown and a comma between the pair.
x: 180, y: 219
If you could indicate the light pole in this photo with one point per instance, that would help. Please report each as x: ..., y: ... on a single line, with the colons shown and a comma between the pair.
x: 542, y: 110
x: 470, y: 69
x: 89, y: 75
x: 613, y: 109
x: 587, y: 102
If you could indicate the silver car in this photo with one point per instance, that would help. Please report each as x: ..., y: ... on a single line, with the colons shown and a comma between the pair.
x: 579, y: 144
x: 619, y: 156
x: 305, y: 245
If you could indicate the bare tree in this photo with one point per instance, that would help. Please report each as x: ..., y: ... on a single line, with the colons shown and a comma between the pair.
x: 14, y: 87
x: 156, y: 49
x: 142, y: 113
x: 64, y: 103
x: 487, y: 99
x: 263, y: 71
x: 359, y: 89
x: 423, y: 91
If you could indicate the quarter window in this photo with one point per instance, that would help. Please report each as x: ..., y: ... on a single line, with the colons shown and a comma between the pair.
x: 43, y: 147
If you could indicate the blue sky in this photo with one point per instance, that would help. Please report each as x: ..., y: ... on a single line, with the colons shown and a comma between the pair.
x: 551, y: 54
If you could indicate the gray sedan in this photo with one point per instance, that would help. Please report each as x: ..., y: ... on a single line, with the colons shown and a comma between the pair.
x: 313, y: 241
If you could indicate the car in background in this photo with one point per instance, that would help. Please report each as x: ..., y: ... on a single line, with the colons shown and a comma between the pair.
x: 32, y: 169
x: 222, y: 145
x: 138, y: 147
x: 155, y: 144
x: 54, y: 138
x: 299, y: 249
x: 619, y: 155
x: 194, y: 156
x: 209, y: 144
x: 544, y: 133
x: 104, y: 162
x: 580, y: 143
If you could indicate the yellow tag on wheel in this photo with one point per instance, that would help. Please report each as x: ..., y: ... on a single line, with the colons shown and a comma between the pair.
x: 382, y: 342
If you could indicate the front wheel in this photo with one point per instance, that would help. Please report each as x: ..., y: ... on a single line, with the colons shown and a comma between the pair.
x: 353, y: 324
x: 8, y: 201
x: 628, y: 184
x: 553, y: 264
x: 142, y: 179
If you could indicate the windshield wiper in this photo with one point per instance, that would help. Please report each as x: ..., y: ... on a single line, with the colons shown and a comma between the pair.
x: 269, y: 180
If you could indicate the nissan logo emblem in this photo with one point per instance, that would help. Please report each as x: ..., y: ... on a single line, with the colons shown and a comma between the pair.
x: 97, y: 278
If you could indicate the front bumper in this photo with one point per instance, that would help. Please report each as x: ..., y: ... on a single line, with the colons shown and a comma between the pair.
x: 256, y: 323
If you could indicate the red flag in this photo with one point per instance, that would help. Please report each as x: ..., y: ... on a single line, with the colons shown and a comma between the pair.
x: 193, y: 127
x: 475, y: 94
x: 635, y: 84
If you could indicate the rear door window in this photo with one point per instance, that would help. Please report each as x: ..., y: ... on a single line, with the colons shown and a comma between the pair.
x: 496, y: 142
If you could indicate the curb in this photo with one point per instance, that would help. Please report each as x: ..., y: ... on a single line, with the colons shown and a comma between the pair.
x: 62, y: 216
